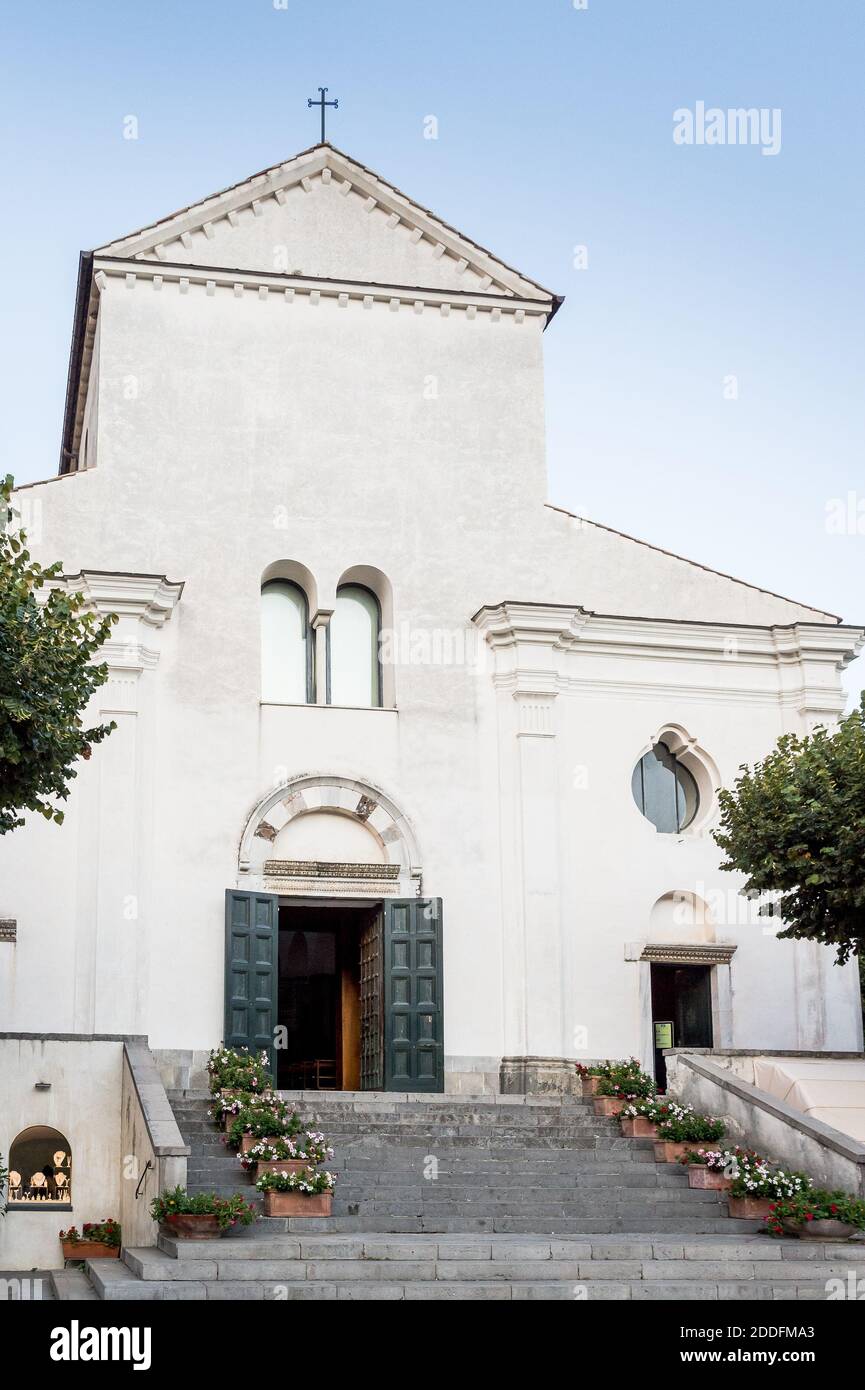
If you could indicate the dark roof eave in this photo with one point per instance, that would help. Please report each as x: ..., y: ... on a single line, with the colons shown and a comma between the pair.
x: 79, y: 328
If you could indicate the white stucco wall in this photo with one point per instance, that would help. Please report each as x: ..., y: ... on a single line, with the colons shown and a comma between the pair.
x: 84, y: 1105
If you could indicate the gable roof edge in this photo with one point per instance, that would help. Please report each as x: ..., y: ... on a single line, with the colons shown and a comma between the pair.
x: 310, y: 162
x: 697, y: 564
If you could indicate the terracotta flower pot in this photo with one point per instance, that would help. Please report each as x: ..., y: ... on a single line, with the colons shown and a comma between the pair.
x: 638, y: 1127
x: 608, y: 1105
x: 282, y: 1165
x: 825, y: 1228
x: 701, y: 1176
x: 298, y: 1203
x: 751, y: 1208
x: 89, y: 1250
x: 590, y: 1086
x: 666, y: 1151
x: 191, y: 1226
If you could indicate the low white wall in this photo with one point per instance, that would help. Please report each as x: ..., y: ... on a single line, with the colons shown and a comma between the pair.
x: 714, y: 1085
x: 84, y: 1105
x: 149, y: 1135
x: 108, y: 1102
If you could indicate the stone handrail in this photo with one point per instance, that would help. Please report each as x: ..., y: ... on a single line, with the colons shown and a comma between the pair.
x: 762, y: 1122
x: 149, y: 1133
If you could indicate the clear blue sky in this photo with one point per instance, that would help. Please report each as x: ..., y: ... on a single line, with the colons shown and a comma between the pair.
x: 555, y: 130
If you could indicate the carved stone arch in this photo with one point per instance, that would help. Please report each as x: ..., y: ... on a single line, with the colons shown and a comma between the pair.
x: 391, y: 840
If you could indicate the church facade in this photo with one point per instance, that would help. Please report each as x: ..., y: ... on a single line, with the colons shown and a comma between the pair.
x: 414, y: 774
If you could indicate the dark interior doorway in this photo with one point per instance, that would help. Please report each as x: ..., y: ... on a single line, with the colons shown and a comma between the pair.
x: 328, y: 1022
x: 681, y: 1011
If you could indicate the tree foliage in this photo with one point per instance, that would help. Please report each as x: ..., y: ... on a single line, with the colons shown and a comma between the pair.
x: 795, y: 824
x: 47, y: 676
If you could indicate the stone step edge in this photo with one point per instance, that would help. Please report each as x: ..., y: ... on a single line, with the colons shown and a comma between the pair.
x: 374, y: 1246
x: 575, y: 1291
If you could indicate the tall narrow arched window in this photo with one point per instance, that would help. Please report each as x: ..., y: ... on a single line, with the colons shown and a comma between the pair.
x: 286, y: 666
x: 353, y: 644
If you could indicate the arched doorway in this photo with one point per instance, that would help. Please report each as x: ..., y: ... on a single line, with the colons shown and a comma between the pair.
x: 333, y: 958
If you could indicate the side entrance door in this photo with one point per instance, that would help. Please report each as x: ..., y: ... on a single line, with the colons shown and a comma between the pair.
x: 251, y: 970
x: 412, y: 990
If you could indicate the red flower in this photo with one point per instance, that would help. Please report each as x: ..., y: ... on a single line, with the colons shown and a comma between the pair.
x: 809, y: 1216
x: 833, y: 1208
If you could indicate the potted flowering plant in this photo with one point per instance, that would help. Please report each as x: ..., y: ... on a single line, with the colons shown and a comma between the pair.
x: 97, y: 1240
x: 681, y: 1129
x: 758, y: 1185
x: 715, y: 1168
x: 297, y: 1194
x: 589, y: 1078
x: 816, y: 1214
x: 292, y: 1154
x: 640, y: 1118
x: 592, y: 1075
x: 199, y: 1217
x: 620, y: 1085
x: 261, y: 1122
x: 237, y: 1069
x: 225, y: 1107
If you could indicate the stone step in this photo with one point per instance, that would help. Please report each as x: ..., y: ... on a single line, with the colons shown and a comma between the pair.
x: 135, y: 1290
x: 686, y: 1251
x: 150, y: 1269
x: 451, y: 1186
x: 709, y: 1222
x: 461, y: 1267
x: 637, y: 1201
x: 72, y: 1285
x: 377, y: 1102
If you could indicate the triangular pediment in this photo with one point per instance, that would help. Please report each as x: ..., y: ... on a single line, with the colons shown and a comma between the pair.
x: 323, y: 215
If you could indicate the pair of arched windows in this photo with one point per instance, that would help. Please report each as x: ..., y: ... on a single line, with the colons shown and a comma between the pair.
x: 288, y: 668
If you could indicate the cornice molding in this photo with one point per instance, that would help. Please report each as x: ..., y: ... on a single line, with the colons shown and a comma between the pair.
x: 144, y: 603
x: 151, y: 598
x: 569, y: 627
x: 687, y: 953
x: 310, y: 289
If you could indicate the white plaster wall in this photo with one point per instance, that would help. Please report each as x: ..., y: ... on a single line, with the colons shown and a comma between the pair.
x: 84, y: 1105
x: 327, y: 234
x: 616, y: 866
x: 258, y: 431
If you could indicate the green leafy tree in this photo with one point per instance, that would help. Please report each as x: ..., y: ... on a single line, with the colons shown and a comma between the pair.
x: 795, y: 824
x: 47, y: 676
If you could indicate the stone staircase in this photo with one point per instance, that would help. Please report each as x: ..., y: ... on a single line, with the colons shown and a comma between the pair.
x: 474, y: 1198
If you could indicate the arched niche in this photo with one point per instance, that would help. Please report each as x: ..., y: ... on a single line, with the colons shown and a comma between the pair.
x: 331, y: 835
x: 681, y: 916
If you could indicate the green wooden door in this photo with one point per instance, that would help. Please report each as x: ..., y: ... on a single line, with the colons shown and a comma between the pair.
x: 412, y: 986
x: 251, y: 970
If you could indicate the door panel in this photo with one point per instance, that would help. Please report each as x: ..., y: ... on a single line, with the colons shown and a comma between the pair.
x: 371, y: 1012
x: 251, y: 939
x: 412, y: 976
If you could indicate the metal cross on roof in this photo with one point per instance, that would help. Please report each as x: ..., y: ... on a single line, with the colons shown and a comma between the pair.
x: 322, y: 103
